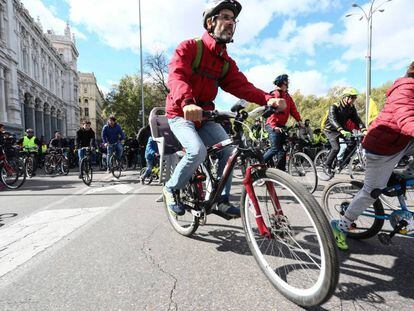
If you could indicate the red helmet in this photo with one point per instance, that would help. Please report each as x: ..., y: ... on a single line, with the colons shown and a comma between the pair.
x: 214, y: 7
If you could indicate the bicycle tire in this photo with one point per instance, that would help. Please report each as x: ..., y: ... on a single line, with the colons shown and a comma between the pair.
x: 299, y: 174
x: 19, y: 179
x: 29, y: 166
x: 187, y: 224
x: 327, y: 279
x: 334, y: 207
x: 86, y: 171
x: 319, y: 160
x: 116, y: 167
x: 47, y: 167
x: 64, y: 165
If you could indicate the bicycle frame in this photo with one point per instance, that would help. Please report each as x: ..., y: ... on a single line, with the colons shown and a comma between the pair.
x: 218, y: 185
x: 401, y: 200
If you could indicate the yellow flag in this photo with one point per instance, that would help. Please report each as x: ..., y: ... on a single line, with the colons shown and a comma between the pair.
x: 373, y: 111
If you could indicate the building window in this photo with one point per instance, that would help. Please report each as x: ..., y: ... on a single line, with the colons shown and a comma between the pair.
x: 85, y: 90
x: 79, y: 100
x: 86, y: 112
x: 86, y: 101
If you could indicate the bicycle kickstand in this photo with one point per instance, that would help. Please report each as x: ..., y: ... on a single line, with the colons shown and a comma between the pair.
x: 386, y: 238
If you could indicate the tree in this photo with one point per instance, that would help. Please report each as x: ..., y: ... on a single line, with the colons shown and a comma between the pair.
x: 124, y: 102
x: 158, y: 66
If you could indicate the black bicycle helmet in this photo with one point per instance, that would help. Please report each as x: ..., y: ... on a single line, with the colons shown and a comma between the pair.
x: 214, y: 7
x: 280, y: 79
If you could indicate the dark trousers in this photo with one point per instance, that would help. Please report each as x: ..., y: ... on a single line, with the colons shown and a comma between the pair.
x: 277, y: 140
x: 333, y: 138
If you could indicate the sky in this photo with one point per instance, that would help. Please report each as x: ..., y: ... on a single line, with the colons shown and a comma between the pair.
x: 311, y: 40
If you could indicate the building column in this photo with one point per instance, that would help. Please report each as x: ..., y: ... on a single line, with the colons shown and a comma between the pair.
x: 48, y: 124
x: 3, y: 108
x: 29, y: 115
x: 39, y: 121
x: 53, y: 122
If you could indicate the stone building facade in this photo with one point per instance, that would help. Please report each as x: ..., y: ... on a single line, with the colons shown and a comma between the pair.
x: 38, y: 75
x: 90, y: 101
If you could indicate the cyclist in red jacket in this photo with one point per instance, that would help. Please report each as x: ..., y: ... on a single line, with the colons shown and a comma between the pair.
x: 193, y: 87
x: 390, y: 137
x: 277, y: 121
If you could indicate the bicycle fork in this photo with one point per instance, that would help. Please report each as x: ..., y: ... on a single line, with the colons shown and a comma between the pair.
x: 248, y: 183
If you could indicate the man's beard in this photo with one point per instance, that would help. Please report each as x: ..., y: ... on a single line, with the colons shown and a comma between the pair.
x: 225, y: 36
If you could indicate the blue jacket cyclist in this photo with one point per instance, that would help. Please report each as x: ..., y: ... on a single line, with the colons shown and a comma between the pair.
x: 113, y: 137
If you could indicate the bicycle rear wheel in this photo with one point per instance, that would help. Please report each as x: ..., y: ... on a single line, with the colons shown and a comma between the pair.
x: 86, y: 171
x: 299, y: 256
x: 303, y: 170
x: 336, y: 198
x: 188, y: 223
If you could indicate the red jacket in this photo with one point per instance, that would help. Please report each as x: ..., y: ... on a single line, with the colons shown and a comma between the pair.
x: 185, y: 85
x: 280, y: 118
x: 391, y: 131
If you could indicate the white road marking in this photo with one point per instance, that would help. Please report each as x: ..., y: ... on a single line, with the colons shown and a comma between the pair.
x: 122, y: 188
x: 21, y: 241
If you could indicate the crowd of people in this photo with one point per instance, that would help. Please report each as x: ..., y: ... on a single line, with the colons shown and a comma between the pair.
x: 111, y: 140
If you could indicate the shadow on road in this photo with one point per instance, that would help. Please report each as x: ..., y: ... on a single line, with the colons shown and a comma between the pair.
x: 396, y: 277
x: 228, y: 238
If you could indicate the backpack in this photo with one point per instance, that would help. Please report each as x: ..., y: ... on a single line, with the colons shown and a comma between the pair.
x: 196, y: 62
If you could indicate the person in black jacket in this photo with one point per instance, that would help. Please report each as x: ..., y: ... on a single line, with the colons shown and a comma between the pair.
x: 143, y: 135
x: 85, y: 137
x: 335, y: 126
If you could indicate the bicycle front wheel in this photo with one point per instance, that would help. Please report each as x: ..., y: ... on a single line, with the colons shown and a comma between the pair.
x: 116, y: 166
x: 64, y: 165
x: 86, y: 171
x: 13, y: 174
x: 29, y: 165
x: 336, y: 198
x: 298, y: 255
x: 303, y: 170
x: 320, y: 159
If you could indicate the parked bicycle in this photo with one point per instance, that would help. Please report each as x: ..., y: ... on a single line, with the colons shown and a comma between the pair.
x: 395, y: 204
x: 285, y: 228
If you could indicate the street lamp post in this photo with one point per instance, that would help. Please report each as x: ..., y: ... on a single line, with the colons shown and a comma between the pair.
x: 368, y: 18
x: 142, y: 70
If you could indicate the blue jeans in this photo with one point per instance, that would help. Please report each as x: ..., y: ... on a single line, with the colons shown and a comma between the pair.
x: 118, y: 152
x: 195, y: 142
x: 277, y: 140
x: 81, y: 154
x: 150, y: 165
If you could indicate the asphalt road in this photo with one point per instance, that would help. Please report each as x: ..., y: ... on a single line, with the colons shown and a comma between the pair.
x: 66, y: 246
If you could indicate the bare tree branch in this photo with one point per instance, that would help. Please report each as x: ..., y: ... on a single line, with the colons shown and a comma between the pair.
x: 158, y: 66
